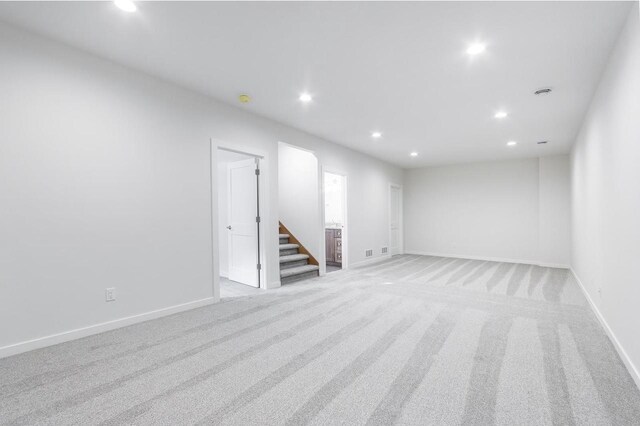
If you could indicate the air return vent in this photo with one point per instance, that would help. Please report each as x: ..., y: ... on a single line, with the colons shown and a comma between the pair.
x: 384, y: 250
x: 368, y: 253
x: 543, y: 91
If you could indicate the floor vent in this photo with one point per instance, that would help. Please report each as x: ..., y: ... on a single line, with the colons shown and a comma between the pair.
x: 368, y: 253
x: 385, y: 250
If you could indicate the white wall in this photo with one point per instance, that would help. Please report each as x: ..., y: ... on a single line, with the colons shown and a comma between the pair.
x: 606, y: 196
x: 367, y: 188
x: 105, y: 181
x: 554, y: 210
x: 334, y: 199
x: 506, y: 210
x: 367, y: 182
x: 298, y: 196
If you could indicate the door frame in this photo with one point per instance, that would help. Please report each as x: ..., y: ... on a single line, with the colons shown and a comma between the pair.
x: 263, y: 209
x: 400, y: 218
x: 254, y: 163
x: 345, y: 230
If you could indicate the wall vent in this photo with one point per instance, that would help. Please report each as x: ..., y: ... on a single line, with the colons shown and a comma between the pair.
x: 368, y: 253
x: 385, y: 250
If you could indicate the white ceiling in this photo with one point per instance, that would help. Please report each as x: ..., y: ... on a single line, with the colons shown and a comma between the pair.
x: 400, y: 68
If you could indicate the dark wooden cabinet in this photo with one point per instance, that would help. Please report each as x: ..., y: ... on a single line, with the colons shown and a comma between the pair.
x: 333, y: 244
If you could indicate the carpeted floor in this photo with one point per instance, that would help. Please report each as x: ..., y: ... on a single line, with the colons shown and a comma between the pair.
x: 412, y: 340
x: 230, y: 288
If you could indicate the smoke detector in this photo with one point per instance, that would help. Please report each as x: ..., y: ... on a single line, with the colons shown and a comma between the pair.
x: 543, y: 91
x: 245, y: 99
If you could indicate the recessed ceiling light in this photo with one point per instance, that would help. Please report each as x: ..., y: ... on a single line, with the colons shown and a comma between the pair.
x: 305, y: 97
x: 244, y: 98
x: 126, y: 5
x: 476, y: 48
x: 512, y: 143
x: 501, y: 114
x: 376, y: 135
x: 414, y: 154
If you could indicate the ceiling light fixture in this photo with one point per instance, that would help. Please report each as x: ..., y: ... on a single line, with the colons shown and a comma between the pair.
x: 414, y: 154
x: 244, y: 98
x: 126, y: 5
x: 476, y: 48
x: 512, y: 143
x: 305, y: 97
x: 376, y: 135
x: 501, y: 114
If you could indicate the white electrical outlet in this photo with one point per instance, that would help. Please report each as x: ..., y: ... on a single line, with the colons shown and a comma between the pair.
x: 110, y: 294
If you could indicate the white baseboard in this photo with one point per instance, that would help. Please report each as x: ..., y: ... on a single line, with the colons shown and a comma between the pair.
x: 491, y: 259
x: 368, y: 261
x: 635, y: 374
x: 78, y: 333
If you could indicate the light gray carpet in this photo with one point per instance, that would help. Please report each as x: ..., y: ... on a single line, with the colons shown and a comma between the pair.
x: 412, y: 340
x: 230, y: 288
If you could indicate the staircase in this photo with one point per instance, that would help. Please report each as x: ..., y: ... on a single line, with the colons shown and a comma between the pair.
x: 296, y: 263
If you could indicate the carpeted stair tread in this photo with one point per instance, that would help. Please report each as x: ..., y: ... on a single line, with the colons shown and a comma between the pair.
x: 293, y: 257
x: 289, y: 246
x: 284, y: 236
x: 298, y: 270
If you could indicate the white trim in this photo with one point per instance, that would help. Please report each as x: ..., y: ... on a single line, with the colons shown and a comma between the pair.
x: 633, y: 371
x: 235, y: 151
x: 345, y: 226
x: 265, y: 216
x: 215, y: 238
x: 400, y: 218
x: 552, y: 265
x: 491, y: 259
x: 248, y: 276
x: 78, y: 333
x: 368, y: 261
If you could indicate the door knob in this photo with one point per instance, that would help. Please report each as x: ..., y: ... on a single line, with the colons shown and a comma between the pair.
x: 229, y: 227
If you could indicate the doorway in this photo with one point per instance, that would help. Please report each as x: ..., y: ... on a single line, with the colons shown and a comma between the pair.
x: 335, y: 220
x: 395, y: 219
x: 239, y: 226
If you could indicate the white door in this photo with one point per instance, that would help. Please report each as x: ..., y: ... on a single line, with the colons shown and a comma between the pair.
x: 395, y: 220
x: 243, y: 226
